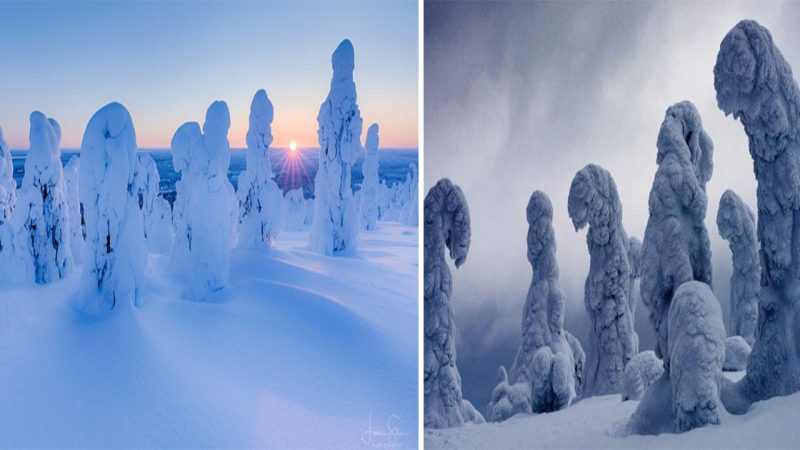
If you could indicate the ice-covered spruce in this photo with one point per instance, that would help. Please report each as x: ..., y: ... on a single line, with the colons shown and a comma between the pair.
x: 206, y: 209
x: 41, y: 217
x: 260, y: 199
x: 295, y: 210
x: 369, y: 187
x: 640, y: 372
x: 115, y: 249
x: 542, y: 378
x: 409, y: 214
x: 71, y: 190
x: 447, y: 227
x: 594, y: 201
x: 8, y: 187
x: 155, y: 209
x: 635, y: 263
x: 737, y: 225
x: 676, y: 247
x: 755, y: 84
x: 336, y: 222
x: 737, y: 350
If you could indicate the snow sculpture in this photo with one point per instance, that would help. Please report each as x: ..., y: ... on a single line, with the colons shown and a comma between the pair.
x: 369, y: 187
x: 594, y: 201
x: 447, y: 225
x: 736, y: 223
x: 71, y: 190
x: 409, y: 214
x: 205, y: 202
x: 697, y: 352
x: 336, y: 222
x: 295, y: 210
x: 41, y: 218
x: 640, y: 373
x: 543, y: 372
x: 260, y: 198
x: 755, y: 84
x: 155, y: 209
x: 676, y: 247
x: 737, y: 350
x: 114, y: 256
x: 8, y: 187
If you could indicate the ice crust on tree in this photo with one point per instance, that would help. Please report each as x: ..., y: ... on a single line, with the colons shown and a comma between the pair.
x: 697, y: 353
x: 640, y: 373
x: 115, y: 249
x: 336, y: 222
x: 155, y: 209
x: 41, y: 217
x: 755, y: 84
x: 71, y: 190
x: 369, y: 187
x: 594, y: 201
x: 8, y: 187
x: 676, y: 248
x: 447, y: 227
x: 736, y: 223
x: 737, y: 350
x: 579, y: 358
x: 542, y: 377
x: 206, y: 208
x: 261, y: 207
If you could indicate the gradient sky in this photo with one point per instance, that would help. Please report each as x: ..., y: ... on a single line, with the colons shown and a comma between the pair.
x: 167, y: 61
x: 520, y: 96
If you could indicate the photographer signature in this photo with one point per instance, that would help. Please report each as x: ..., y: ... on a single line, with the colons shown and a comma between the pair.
x: 387, y: 437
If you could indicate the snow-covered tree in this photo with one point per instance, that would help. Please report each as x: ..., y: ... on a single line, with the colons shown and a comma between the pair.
x: 206, y: 209
x: 579, y: 357
x: 41, y: 218
x: 737, y: 225
x: 336, y: 222
x: 71, y: 190
x: 369, y: 187
x: 594, y: 201
x: 8, y: 187
x: 640, y: 372
x: 155, y: 209
x: 542, y: 378
x: 676, y: 247
x: 737, y: 350
x: 635, y: 263
x: 755, y: 84
x: 447, y: 226
x: 115, y: 249
x: 260, y: 198
x: 295, y: 210
x: 409, y: 214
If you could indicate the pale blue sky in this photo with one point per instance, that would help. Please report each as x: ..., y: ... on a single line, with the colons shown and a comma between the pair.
x: 167, y: 61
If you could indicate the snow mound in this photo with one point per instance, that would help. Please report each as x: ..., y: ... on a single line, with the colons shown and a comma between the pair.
x: 640, y: 373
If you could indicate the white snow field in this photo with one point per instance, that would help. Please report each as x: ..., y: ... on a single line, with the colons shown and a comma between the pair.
x: 300, y: 350
x: 599, y: 422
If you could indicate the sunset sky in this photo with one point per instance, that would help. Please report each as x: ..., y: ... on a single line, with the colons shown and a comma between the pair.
x: 167, y: 61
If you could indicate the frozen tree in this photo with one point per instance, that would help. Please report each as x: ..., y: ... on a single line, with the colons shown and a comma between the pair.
x: 697, y: 352
x: 640, y: 372
x: 71, y: 190
x: 369, y: 187
x: 409, y: 214
x: 635, y: 263
x: 336, y: 222
x: 447, y: 226
x: 737, y: 225
x: 41, y: 218
x: 579, y: 357
x: 115, y: 249
x: 737, y: 350
x: 295, y: 210
x: 155, y: 209
x: 544, y: 368
x: 676, y: 247
x: 755, y: 84
x: 205, y: 201
x: 260, y: 198
x: 594, y: 201
x: 8, y: 187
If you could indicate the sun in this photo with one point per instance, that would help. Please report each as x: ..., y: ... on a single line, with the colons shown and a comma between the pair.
x: 292, y: 145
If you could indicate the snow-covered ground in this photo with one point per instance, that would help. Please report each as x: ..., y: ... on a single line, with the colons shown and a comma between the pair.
x: 598, y: 422
x: 301, y: 350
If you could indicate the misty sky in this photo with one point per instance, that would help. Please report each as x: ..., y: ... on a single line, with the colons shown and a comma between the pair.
x: 166, y: 61
x: 519, y: 97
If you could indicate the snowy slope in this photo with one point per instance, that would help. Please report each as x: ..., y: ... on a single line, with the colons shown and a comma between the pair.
x: 301, y: 350
x: 598, y: 422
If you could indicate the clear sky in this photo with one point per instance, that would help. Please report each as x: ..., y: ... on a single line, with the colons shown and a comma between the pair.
x: 520, y: 96
x: 167, y: 61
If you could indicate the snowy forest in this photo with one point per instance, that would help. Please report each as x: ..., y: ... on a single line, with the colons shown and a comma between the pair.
x: 217, y: 316
x: 706, y: 383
